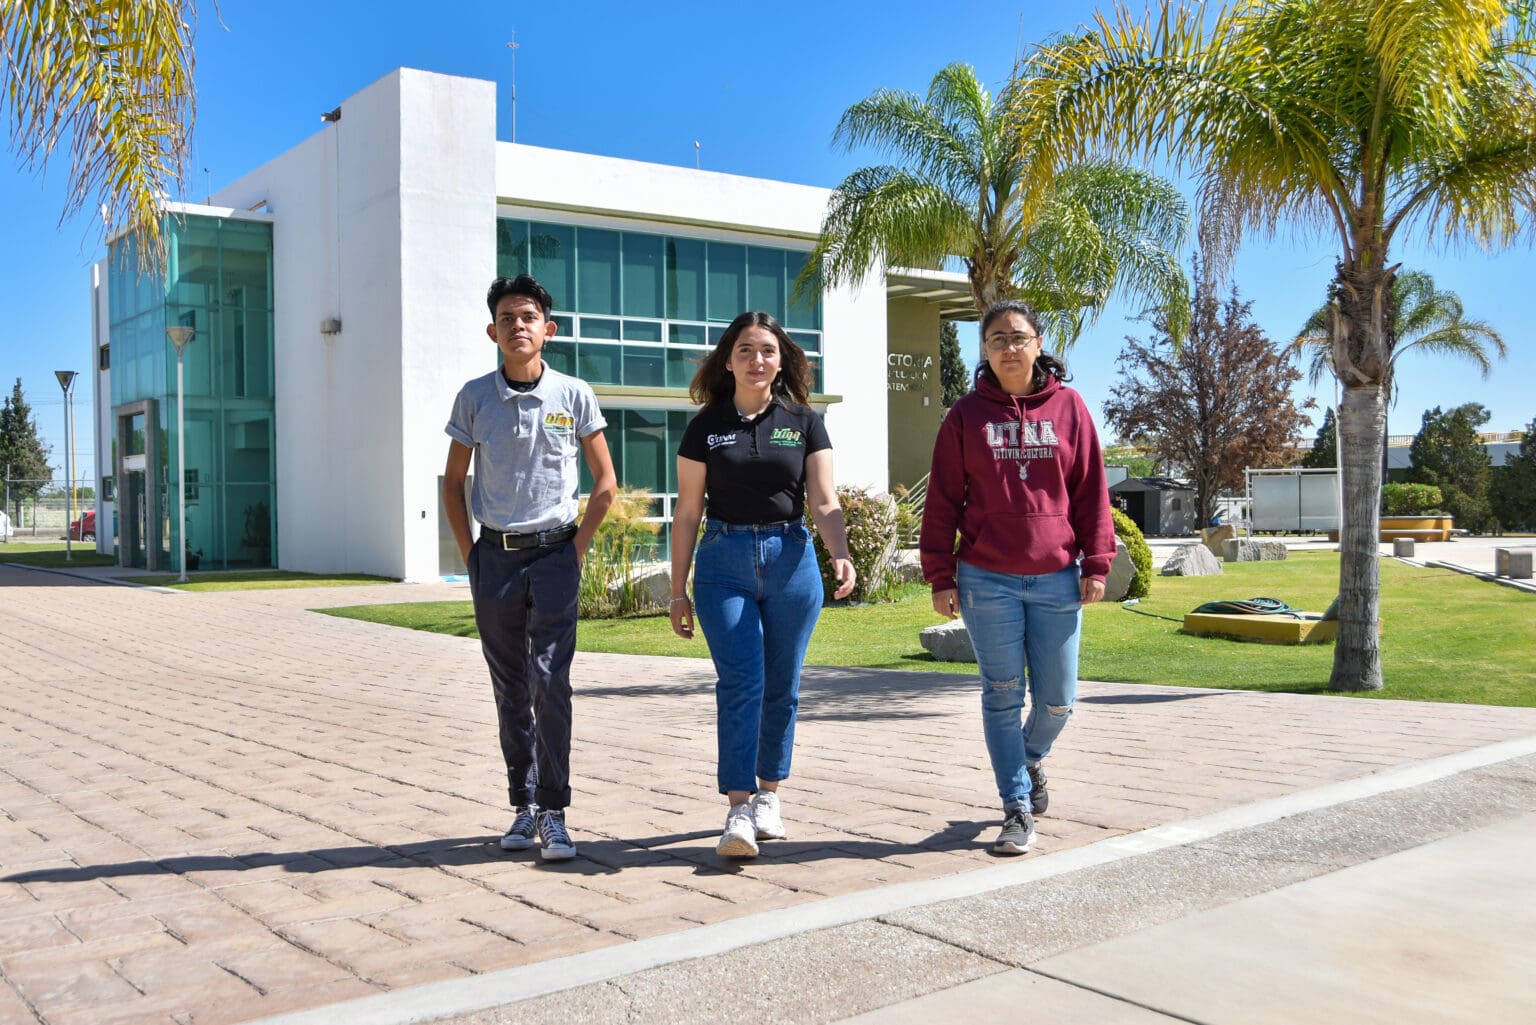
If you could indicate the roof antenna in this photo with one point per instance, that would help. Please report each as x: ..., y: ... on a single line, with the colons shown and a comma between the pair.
x: 695, y: 154
x: 512, y: 45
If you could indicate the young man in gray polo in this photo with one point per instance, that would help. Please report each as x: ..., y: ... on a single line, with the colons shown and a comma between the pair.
x: 525, y: 423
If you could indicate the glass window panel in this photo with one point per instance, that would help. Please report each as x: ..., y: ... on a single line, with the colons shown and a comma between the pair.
x: 552, y: 257
x: 599, y: 364
x: 511, y: 247
x: 645, y: 449
x: 561, y: 356
x: 677, y: 423
x: 643, y: 368
x: 805, y: 315
x: 642, y: 275
x: 686, y: 334
x: 716, y: 332
x: 727, y: 280
x: 685, y: 279
x: 599, y: 327
x: 245, y: 250
x: 597, y: 272
x: 810, y: 341
x: 642, y: 330
x: 192, y: 262
x: 765, y: 280
x: 682, y: 364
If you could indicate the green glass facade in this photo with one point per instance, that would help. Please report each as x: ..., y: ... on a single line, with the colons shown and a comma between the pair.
x: 640, y: 310
x: 218, y: 282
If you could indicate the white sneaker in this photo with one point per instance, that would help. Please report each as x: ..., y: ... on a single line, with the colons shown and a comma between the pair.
x: 765, y: 812
x: 739, y: 839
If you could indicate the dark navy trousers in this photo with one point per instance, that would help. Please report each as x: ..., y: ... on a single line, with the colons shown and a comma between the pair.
x: 525, y: 610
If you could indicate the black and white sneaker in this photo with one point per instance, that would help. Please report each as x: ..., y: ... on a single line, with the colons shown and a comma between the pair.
x: 1039, y: 798
x: 523, y: 832
x: 1018, y: 832
x: 557, y: 842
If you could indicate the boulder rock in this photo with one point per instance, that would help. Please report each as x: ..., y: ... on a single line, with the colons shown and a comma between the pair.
x: 1191, y: 560
x: 1121, y: 572
x: 1214, y: 537
x: 949, y: 642
x: 1246, y: 549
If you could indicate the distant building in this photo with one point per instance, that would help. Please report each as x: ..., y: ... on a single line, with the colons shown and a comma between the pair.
x: 1160, y: 506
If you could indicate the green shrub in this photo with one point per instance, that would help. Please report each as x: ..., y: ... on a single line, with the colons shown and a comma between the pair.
x: 1141, y: 556
x: 607, y: 587
x: 871, y: 523
x: 1410, y: 499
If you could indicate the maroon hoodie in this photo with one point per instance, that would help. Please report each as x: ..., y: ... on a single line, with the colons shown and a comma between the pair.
x: 1022, y: 479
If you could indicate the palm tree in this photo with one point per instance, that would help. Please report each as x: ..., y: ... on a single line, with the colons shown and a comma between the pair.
x: 962, y: 191
x: 1363, y: 118
x: 114, y: 78
x: 1428, y: 320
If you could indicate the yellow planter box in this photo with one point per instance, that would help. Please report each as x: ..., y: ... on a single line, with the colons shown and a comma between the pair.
x: 1418, y: 528
x: 1264, y: 629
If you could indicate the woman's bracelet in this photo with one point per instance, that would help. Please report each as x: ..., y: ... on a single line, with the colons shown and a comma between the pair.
x: 679, y: 598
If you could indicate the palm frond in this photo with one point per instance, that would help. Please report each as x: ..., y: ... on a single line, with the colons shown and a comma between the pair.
x: 113, y: 81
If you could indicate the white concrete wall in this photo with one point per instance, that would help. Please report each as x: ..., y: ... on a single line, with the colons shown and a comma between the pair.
x: 448, y: 259
x: 385, y: 220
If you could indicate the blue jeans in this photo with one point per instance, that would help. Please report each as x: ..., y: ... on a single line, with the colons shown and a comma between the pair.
x: 1022, y: 627
x: 757, y: 595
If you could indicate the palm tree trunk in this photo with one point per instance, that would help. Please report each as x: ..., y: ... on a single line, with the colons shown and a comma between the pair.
x: 1362, y: 427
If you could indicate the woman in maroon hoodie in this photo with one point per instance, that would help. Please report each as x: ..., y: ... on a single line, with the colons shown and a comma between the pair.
x: 1017, y: 473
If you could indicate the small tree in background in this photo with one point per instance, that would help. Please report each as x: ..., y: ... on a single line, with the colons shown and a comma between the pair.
x: 1325, y: 450
x: 1512, y: 488
x: 1218, y: 404
x: 1135, y: 460
x: 1448, y: 454
x: 953, y: 380
x: 22, y: 452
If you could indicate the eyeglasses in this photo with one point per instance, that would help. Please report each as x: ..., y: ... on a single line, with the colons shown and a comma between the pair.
x: 1002, y: 343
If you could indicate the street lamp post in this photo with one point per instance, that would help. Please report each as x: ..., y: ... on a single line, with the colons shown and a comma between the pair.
x: 67, y: 382
x: 180, y: 335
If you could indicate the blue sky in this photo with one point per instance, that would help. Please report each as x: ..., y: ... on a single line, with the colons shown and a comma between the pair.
x: 760, y: 87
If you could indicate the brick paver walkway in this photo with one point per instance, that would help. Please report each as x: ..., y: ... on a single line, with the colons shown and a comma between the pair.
x: 222, y: 806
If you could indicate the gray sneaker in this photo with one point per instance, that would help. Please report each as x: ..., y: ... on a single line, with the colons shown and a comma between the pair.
x: 557, y: 842
x: 523, y: 833
x: 1039, y: 798
x: 1018, y: 832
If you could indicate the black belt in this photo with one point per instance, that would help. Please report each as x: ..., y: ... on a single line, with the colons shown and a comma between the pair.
x: 539, y: 539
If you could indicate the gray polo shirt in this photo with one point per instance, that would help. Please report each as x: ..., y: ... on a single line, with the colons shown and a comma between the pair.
x: 527, y: 448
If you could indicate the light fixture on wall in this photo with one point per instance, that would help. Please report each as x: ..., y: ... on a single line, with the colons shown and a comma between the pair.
x: 330, y: 326
x: 331, y: 116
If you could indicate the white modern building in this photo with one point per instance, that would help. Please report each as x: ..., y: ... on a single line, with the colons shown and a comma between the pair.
x: 336, y: 295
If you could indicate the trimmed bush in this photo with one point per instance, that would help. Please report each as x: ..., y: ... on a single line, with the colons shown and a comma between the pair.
x: 1410, y: 499
x: 1136, y: 546
x: 871, y: 523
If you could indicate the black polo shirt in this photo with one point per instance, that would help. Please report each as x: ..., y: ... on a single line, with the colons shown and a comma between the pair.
x: 754, y: 470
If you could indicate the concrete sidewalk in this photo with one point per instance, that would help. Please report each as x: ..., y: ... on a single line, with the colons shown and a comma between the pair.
x: 223, y: 807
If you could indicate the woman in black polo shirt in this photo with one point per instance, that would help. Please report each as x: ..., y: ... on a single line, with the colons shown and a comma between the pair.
x: 750, y: 458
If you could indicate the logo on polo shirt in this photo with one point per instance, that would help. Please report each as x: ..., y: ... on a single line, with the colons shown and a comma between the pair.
x: 559, y: 423
x: 720, y: 440
x: 786, y: 437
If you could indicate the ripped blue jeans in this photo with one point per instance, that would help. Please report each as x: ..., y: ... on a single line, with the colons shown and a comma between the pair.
x: 1024, y: 628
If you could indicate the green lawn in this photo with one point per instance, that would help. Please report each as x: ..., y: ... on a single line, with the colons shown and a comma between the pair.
x: 258, y: 580
x: 51, y: 553
x: 1446, y: 636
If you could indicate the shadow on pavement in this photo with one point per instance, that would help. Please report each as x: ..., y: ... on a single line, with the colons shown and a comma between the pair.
x: 466, y: 850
